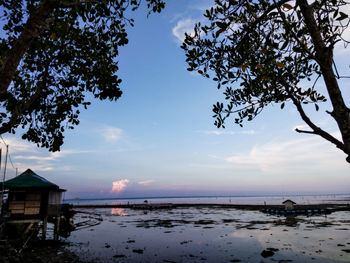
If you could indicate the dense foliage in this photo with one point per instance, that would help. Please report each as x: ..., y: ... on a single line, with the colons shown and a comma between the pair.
x: 259, y: 51
x: 53, y: 53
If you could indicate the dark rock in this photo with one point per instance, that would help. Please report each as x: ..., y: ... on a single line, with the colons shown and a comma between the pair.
x: 119, y: 256
x: 138, y: 251
x: 267, y: 253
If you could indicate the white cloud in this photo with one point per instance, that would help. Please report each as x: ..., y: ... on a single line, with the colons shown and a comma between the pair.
x: 291, y: 156
x: 17, y: 145
x: 112, y: 134
x: 147, y: 182
x: 119, y: 186
x: 202, y: 5
x: 50, y: 157
x: 34, y: 167
x: 183, y: 26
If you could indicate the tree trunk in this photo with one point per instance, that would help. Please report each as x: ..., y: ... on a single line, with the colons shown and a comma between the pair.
x: 324, y: 56
x: 36, y: 23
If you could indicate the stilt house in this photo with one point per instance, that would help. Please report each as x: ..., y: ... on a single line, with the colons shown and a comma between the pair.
x: 32, y: 198
x: 289, y: 204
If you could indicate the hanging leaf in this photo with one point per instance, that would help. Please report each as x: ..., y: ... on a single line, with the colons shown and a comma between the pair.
x: 287, y: 6
x: 280, y: 65
x: 53, y: 36
x: 244, y: 66
x: 219, y: 32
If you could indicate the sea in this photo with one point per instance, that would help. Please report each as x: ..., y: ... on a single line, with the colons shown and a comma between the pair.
x: 239, y: 200
x: 207, y: 233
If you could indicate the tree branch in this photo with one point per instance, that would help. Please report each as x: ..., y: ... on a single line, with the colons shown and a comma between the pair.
x: 325, y: 59
x: 315, y: 129
x: 302, y: 131
x: 37, y: 22
x: 292, y: 32
x: 76, y: 3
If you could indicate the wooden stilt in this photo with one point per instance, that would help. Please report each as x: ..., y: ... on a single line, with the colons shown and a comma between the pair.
x: 28, y: 228
x: 44, y: 228
x: 57, y: 227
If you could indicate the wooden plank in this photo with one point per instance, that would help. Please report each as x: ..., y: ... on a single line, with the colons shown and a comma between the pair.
x: 23, y: 221
x: 32, y: 204
x: 17, y: 211
x: 16, y: 205
x: 31, y: 211
x: 33, y: 196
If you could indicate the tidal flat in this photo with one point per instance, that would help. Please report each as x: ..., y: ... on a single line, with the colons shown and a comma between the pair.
x: 199, y: 234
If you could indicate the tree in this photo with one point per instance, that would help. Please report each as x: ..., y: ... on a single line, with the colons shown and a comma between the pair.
x: 53, y: 53
x: 260, y: 51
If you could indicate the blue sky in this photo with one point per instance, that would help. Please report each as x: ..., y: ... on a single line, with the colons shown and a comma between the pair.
x: 159, y: 138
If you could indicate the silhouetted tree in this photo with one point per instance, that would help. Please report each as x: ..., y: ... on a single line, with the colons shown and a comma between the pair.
x: 53, y: 53
x: 268, y: 47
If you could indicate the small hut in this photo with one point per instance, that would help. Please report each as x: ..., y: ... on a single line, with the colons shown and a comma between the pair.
x: 32, y: 198
x: 289, y: 204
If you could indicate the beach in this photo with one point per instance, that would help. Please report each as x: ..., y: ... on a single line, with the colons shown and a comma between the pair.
x: 208, y: 234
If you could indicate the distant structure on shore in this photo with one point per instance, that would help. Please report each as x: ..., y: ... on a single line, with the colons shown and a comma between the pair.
x: 32, y: 199
x: 289, y: 204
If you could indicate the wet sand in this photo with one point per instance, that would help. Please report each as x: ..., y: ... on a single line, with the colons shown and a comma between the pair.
x: 208, y: 234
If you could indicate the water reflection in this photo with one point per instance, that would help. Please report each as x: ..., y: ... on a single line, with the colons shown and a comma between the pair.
x: 119, y: 212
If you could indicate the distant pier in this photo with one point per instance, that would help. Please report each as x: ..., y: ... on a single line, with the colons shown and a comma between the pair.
x: 272, y: 209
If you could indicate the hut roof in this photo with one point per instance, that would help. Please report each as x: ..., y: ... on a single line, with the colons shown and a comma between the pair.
x: 29, y: 179
x: 288, y: 200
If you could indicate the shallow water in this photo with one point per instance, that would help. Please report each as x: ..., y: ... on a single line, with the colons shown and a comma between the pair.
x: 239, y: 200
x: 210, y: 235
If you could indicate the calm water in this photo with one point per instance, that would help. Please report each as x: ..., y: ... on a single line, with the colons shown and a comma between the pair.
x: 253, y: 200
x: 209, y: 235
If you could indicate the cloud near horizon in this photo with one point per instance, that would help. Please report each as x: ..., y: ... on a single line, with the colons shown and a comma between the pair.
x: 119, y: 186
x: 147, y: 182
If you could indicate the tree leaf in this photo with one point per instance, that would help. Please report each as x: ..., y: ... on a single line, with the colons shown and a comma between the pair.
x: 280, y: 65
x: 287, y: 6
x: 244, y: 66
x: 53, y: 36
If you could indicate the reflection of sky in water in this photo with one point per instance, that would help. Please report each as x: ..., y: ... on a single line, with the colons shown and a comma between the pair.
x: 119, y: 212
x: 212, y: 235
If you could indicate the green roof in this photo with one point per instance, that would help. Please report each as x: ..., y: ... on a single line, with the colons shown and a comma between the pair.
x: 29, y: 179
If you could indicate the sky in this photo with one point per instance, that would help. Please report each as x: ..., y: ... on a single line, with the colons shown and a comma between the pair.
x: 159, y: 138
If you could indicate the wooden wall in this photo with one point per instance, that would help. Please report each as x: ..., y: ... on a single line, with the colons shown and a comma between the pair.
x: 54, y: 203
x: 27, y: 203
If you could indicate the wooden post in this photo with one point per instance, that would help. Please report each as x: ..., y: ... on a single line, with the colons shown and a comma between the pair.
x: 57, y: 228
x: 44, y: 228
